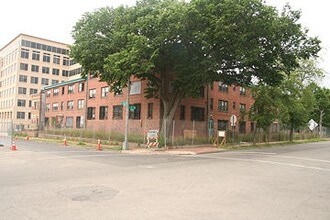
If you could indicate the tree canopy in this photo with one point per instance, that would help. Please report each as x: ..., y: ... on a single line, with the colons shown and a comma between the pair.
x: 181, y: 46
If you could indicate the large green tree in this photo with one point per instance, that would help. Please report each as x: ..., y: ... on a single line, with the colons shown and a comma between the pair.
x: 181, y: 46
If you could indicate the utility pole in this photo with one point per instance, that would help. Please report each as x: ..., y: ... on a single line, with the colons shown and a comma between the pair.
x: 125, y: 145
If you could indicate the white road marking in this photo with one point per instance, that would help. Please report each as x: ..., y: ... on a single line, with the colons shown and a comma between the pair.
x: 282, y: 156
x: 250, y: 152
x: 271, y: 162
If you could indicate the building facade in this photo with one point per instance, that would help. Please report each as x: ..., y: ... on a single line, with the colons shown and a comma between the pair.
x: 27, y: 64
x: 88, y: 103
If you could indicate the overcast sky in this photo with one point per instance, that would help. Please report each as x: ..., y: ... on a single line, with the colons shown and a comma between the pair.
x: 54, y: 19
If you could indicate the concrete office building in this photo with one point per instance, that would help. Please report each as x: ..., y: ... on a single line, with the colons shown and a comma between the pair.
x: 28, y: 63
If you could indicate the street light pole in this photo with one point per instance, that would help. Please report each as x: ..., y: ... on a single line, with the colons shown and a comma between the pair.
x: 125, y: 145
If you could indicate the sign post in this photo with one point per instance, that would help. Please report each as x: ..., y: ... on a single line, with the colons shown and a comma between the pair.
x: 233, y: 120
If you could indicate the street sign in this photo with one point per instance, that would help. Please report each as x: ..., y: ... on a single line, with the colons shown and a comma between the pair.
x: 132, y: 107
x: 312, y: 124
x: 233, y: 120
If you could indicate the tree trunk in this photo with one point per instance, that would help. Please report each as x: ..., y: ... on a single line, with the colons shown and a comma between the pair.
x: 291, y: 135
x: 321, y: 122
x: 170, y: 108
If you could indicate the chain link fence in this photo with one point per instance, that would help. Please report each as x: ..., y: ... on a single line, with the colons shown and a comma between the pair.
x: 180, y: 133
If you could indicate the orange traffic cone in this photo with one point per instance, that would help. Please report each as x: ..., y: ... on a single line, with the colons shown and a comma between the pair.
x: 65, y: 143
x: 99, y: 148
x: 13, y: 146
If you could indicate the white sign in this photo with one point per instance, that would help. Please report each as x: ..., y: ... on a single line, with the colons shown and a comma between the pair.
x: 152, y: 134
x: 221, y: 133
x: 135, y: 88
x: 233, y: 120
x: 312, y: 124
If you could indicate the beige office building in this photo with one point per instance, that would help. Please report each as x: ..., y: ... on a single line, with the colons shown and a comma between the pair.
x: 27, y: 64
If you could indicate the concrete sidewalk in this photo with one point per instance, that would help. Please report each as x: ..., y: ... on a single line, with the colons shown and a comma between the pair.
x: 176, y: 151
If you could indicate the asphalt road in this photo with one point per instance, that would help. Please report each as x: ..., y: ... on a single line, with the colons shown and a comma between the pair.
x: 49, y: 181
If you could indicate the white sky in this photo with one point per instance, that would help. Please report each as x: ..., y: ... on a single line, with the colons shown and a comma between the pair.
x: 54, y: 19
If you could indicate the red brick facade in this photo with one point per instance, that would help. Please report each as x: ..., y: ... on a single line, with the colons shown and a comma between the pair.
x: 105, y: 110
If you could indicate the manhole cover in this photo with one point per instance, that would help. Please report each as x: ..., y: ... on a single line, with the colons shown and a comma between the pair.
x: 89, y: 193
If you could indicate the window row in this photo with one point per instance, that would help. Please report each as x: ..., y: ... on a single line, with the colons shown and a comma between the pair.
x: 23, y: 91
x: 35, y: 80
x: 70, y: 89
x: 34, y: 45
x: 222, y: 87
x: 46, y: 57
x: 223, y: 106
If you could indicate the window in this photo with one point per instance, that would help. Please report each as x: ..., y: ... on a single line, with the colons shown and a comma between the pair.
x: 223, y: 106
x: 81, y: 87
x: 34, y: 68
x: 21, y: 102
x: 33, y: 91
x: 222, y: 125
x: 117, y: 112
x: 242, y: 91
x: 150, y: 110
x: 48, y: 93
x: 65, y: 73
x: 182, y: 112
x: 22, y: 90
x: 242, y: 107
x: 223, y: 87
x: 55, y: 106
x: 47, y: 107
x: 63, y: 90
x: 35, y: 55
x: 197, y: 114
x: 70, y: 104
x: 46, y: 57
x: 22, y: 78
x: 103, y: 112
x: 104, y: 92
x: 81, y: 103
x: 66, y: 61
x: 45, y: 70
x: 54, y: 81
x: 56, y: 91
x: 25, y: 53
x: 62, y: 105
x: 234, y: 105
x: 70, y: 89
x: 69, y: 122
x: 242, y: 126
x: 56, y: 72
x: 20, y: 115
x: 135, y: 111
x: 34, y: 80
x: 79, y: 122
x: 211, y: 104
x: 44, y: 81
x: 56, y: 59
x: 91, y: 113
x: 92, y: 93
x: 24, y: 66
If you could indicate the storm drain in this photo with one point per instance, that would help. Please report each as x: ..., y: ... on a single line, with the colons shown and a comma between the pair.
x: 89, y: 193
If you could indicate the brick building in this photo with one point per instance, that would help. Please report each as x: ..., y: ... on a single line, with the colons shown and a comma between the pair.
x: 81, y: 103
